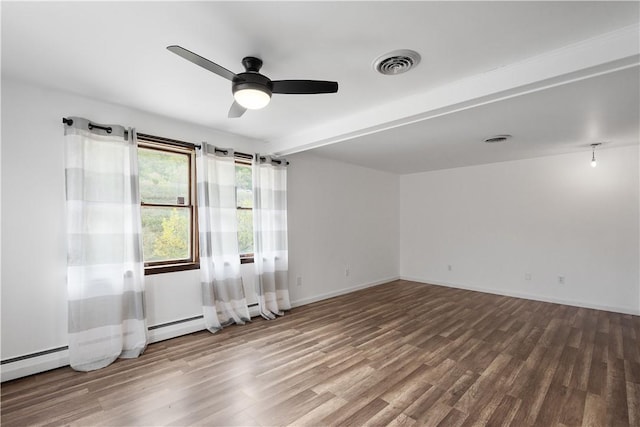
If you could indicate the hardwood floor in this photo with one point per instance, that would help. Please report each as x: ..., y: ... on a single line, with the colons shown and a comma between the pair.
x: 402, y: 354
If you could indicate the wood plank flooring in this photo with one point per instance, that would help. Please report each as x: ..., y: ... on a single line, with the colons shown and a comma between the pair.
x: 399, y: 354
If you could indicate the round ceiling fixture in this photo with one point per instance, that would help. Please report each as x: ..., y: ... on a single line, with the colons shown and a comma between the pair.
x: 396, y: 62
x: 251, y: 89
x: 497, y: 138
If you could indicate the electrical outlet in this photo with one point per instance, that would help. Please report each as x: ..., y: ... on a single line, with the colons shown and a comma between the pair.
x: 299, y: 281
x: 561, y: 280
x: 527, y: 276
x: 449, y: 267
x: 347, y: 271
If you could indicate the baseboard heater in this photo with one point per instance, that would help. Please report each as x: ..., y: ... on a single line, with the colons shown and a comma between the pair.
x: 175, y: 322
x: 32, y: 355
x: 58, y: 349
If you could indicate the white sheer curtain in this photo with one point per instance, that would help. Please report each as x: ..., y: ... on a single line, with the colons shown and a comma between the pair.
x: 271, y: 256
x: 105, y: 270
x: 223, y: 296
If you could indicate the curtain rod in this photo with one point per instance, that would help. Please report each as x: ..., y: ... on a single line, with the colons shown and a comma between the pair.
x: 69, y: 122
x: 178, y: 143
x: 173, y: 142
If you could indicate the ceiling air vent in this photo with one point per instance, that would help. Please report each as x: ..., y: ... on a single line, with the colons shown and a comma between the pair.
x: 497, y: 138
x: 396, y: 62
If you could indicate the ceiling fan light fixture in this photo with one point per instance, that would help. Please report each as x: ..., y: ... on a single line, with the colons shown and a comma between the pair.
x: 252, y: 98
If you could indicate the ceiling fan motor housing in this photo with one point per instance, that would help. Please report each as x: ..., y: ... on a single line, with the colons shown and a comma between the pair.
x: 252, y: 80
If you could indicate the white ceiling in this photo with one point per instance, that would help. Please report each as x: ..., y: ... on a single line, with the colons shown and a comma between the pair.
x: 547, y: 122
x: 556, y: 75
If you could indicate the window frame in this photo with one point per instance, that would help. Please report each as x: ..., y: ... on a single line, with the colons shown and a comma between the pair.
x: 172, y: 146
x: 245, y: 258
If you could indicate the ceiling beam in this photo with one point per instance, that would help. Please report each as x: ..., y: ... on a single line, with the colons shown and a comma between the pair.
x: 592, y: 57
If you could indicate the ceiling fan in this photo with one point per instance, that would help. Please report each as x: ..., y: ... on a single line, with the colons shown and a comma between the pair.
x: 252, y: 90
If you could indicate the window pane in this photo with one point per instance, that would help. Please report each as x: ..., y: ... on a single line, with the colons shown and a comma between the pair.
x: 165, y: 233
x: 164, y: 177
x: 244, y: 189
x: 245, y: 231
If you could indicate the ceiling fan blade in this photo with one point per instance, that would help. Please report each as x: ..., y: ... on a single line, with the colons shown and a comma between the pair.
x: 203, y: 62
x: 304, y: 86
x: 236, y: 110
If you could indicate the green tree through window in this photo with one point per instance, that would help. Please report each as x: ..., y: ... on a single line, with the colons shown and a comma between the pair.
x: 167, y: 205
x: 173, y: 242
x: 244, y: 202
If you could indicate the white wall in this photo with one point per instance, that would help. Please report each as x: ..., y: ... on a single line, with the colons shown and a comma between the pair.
x: 339, y: 216
x: 34, y: 307
x: 547, y: 217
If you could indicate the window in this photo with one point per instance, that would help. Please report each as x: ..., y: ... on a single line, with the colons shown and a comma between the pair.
x: 167, y: 180
x: 167, y: 193
x: 244, y: 202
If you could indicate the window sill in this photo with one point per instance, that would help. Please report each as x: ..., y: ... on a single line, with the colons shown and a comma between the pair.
x: 170, y: 268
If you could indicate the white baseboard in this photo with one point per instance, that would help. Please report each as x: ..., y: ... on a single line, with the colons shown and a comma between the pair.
x: 524, y: 295
x: 343, y: 291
